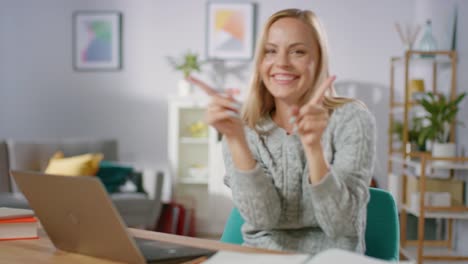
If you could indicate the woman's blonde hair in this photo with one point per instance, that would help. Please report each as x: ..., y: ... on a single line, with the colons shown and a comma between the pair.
x: 260, y: 102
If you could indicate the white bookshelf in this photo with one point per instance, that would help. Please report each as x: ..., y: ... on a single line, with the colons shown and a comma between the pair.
x: 187, y: 152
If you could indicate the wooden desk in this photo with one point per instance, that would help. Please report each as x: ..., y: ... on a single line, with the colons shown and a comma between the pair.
x: 42, y: 251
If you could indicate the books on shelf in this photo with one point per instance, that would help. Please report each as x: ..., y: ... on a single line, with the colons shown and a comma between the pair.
x: 177, y: 219
x: 17, y: 224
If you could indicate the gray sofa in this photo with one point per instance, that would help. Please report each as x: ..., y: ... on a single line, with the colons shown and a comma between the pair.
x: 136, y: 209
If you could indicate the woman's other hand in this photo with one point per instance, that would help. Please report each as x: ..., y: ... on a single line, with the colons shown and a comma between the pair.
x: 223, y: 113
x: 312, y: 118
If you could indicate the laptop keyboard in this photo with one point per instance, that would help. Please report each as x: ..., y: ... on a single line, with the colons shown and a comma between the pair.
x: 157, y: 250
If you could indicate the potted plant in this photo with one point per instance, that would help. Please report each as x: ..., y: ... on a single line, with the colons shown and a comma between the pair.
x: 413, y: 134
x: 188, y: 64
x: 440, y: 113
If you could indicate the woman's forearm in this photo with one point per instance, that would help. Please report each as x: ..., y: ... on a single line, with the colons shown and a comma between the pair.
x: 241, y: 155
x: 318, y: 166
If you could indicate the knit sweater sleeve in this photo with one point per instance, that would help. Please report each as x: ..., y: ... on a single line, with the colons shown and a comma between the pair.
x: 340, y: 199
x: 253, y: 192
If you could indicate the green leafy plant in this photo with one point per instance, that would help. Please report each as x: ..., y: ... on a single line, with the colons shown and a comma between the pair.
x: 440, y: 113
x: 413, y: 132
x: 188, y: 64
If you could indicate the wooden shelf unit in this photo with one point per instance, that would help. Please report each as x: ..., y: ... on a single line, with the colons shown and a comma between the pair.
x: 421, y: 249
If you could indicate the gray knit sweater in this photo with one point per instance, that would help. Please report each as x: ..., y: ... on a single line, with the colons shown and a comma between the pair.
x: 282, y: 210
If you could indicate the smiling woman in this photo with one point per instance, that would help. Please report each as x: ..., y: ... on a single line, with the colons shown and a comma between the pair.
x: 300, y: 35
x: 290, y: 59
x: 298, y: 158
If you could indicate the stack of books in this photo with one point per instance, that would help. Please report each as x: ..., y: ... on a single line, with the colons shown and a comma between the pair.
x: 17, y: 224
x: 177, y: 219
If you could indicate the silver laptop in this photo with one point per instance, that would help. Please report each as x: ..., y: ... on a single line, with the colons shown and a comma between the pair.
x: 78, y: 216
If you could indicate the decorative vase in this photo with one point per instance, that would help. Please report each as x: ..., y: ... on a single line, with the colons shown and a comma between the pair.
x: 416, y: 86
x: 184, y: 88
x: 428, y: 42
x: 446, y: 150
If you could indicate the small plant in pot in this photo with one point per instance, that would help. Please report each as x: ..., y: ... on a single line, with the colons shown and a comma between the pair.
x: 187, y: 65
x: 413, y: 134
x: 440, y: 113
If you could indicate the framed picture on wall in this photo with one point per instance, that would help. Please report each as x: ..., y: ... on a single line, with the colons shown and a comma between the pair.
x: 230, y: 30
x: 97, y: 40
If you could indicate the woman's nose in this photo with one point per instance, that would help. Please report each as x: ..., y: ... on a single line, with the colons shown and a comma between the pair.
x: 282, y: 59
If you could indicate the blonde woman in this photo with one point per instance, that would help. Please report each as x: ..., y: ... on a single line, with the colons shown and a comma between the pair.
x: 298, y: 158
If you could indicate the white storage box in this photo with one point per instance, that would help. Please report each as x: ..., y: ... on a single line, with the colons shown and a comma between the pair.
x: 440, y: 199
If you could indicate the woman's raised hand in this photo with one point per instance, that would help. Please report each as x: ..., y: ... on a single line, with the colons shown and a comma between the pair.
x: 311, y: 119
x: 223, y: 112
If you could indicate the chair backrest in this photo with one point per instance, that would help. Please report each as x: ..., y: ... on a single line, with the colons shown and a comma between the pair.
x: 232, y: 230
x: 382, y: 230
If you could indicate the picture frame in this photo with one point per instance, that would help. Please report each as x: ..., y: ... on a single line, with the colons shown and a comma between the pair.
x: 230, y: 30
x: 97, y: 40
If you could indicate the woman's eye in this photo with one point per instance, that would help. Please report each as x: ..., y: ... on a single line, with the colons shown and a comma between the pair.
x: 270, y: 51
x: 299, y: 52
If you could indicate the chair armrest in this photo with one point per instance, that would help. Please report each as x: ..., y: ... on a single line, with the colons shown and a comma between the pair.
x: 137, y: 178
x: 157, y: 202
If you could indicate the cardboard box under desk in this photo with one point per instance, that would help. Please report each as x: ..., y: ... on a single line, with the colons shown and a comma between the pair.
x: 453, y: 186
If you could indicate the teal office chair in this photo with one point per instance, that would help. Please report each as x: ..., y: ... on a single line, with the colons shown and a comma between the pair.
x: 382, y: 230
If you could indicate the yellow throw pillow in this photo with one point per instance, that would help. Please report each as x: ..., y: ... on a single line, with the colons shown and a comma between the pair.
x: 86, y: 164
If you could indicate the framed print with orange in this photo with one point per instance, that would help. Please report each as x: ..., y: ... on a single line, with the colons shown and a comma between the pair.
x: 230, y: 30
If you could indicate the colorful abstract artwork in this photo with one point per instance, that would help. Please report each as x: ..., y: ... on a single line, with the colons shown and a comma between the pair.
x: 97, y: 37
x: 230, y: 33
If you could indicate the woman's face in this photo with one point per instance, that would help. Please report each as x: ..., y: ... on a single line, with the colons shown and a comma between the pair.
x: 290, y: 59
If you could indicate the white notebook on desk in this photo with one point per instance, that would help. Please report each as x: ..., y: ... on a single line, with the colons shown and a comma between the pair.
x: 326, y: 257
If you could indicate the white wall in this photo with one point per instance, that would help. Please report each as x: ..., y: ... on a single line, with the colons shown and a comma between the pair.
x: 43, y: 97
